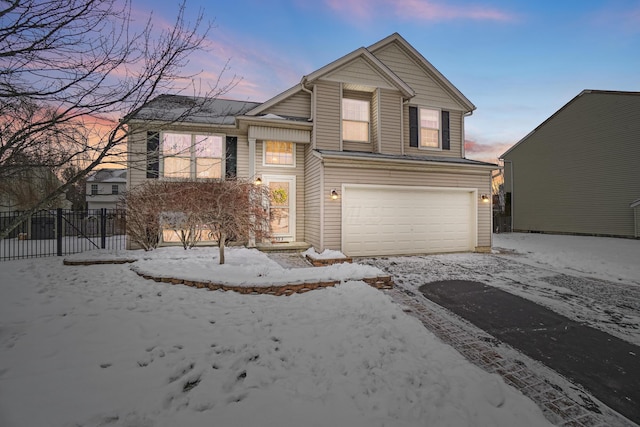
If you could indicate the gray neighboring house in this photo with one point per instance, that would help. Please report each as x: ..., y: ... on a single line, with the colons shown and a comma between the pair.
x: 579, y: 171
x: 105, y: 187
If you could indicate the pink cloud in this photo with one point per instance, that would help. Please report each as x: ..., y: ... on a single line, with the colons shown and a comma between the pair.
x: 485, y: 152
x: 418, y: 10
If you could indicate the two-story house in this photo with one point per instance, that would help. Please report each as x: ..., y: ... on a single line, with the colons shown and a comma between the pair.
x: 365, y: 155
x: 105, y: 187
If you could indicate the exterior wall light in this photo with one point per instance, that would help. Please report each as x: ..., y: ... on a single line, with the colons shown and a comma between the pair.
x: 334, y: 194
x: 485, y: 198
x: 258, y: 181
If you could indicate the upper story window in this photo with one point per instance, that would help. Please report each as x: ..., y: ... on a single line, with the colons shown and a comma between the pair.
x: 94, y: 189
x: 115, y: 189
x: 429, y: 128
x: 279, y: 153
x: 355, y: 120
x: 191, y: 155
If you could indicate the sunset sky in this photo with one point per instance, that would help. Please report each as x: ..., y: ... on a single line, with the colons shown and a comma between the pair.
x: 517, y: 61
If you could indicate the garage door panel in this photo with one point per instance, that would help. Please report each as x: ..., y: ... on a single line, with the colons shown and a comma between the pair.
x: 402, y: 220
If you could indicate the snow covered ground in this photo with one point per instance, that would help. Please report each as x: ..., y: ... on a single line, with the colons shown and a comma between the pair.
x: 101, y: 346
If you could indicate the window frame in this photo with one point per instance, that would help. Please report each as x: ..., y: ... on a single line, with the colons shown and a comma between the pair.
x: 438, y: 113
x: 115, y: 189
x: 193, y: 157
x: 96, y: 188
x: 278, y: 165
x: 343, y: 119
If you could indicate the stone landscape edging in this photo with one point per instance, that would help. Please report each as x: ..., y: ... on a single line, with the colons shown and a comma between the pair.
x: 378, y: 282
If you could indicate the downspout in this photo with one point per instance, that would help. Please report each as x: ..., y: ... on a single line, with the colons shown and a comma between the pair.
x: 313, y: 110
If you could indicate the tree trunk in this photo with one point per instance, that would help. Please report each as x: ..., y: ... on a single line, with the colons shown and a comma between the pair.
x: 221, y: 240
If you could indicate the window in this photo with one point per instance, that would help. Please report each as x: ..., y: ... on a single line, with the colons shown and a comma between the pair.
x: 355, y: 120
x: 429, y: 128
x: 115, y: 189
x: 191, y: 156
x: 94, y: 189
x: 278, y: 153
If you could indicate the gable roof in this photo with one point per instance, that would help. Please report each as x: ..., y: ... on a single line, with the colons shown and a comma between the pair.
x: 585, y: 93
x: 417, y: 56
x: 108, y: 175
x: 383, y: 70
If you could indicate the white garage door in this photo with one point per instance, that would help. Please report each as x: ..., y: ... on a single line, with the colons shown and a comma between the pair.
x: 388, y: 220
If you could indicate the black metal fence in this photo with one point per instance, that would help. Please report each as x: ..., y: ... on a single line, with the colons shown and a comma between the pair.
x: 62, y: 232
x: 501, y: 223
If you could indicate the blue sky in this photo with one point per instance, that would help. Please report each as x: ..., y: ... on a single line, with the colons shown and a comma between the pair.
x: 517, y: 61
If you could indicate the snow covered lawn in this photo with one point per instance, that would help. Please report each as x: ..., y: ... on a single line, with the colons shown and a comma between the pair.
x: 101, y: 346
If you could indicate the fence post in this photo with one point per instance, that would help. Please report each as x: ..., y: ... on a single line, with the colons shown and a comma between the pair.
x: 59, y: 231
x: 103, y: 228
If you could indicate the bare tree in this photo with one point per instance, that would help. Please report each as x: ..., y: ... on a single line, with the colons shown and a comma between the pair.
x: 235, y: 211
x: 72, y: 75
x: 232, y: 210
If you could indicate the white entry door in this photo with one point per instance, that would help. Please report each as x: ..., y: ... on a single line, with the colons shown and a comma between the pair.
x: 282, y: 206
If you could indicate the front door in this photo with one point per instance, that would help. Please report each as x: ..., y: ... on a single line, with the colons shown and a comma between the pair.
x: 282, y: 206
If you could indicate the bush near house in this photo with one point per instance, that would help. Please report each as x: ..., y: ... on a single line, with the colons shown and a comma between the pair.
x: 218, y: 210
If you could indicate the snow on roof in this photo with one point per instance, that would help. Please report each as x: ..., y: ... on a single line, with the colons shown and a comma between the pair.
x: 193, y: 109
x: 108, y: 175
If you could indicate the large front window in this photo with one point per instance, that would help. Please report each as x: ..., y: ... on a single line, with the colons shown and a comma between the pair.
x: 191, y: 155
x: 355, y: 120
x: 429, y: 128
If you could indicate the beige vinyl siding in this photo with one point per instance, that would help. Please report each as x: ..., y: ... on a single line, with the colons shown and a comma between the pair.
x: 390, y: 122
x: 455, y: 137
x: 327, y: 120
x: 428, y: 91
x: 312, y: 205
x: 298, y: 171
x: 297, y: 105
x: 335, y: 176
x: 578, y: 172
x: 243, y: 156
x: 360, y: 72
x: 375, y: 121
x: 136, y: 156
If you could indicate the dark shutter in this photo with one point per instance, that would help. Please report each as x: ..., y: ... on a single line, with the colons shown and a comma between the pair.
x: 446, y: 138
x: 413, y: 126
x: 153, y: 158
x: 231, y: 159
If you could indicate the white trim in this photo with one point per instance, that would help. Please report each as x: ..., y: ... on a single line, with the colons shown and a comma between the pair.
x: 270, y: 165
x: 292, y: 203
x: 252, y: 158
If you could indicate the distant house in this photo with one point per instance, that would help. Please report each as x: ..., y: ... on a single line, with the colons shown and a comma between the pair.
x: 105, y: 187
x: 579, y: 171
x: 365, y: 155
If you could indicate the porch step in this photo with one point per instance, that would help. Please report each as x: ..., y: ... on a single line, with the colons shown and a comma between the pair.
x: 283, y: 247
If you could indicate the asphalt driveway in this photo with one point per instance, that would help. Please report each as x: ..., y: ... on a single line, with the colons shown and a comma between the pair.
x: 586, y: 329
